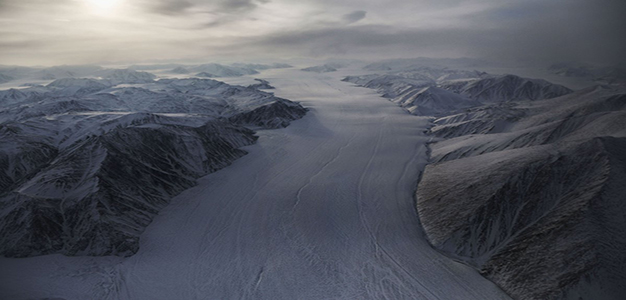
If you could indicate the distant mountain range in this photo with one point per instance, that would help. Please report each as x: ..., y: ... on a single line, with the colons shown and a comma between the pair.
x: 602, y: 75
x: 212, y: 70
x: 325, y: 68
x: 436, y: 92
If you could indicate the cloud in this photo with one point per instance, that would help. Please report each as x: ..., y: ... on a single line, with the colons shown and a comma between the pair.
x: 531, y: 30
x: 178, y: 7
x: 17, y: 45
x: 366, y: 40
x: 574, y: 30
x: 541, y: 37
x: 232, y: 6
x: 170, y: 7
x: 354, y: 16
x: 11, y: 7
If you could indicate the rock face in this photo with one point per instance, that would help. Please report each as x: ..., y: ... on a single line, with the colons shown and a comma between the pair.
x: 98, y: 195
x: 262, y: 85
x: 489, y: 118
x: 86, y: 165
x: 537, y: 205
x: 274, y: 115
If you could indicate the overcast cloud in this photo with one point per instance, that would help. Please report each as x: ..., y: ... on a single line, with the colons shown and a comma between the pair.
x: 94, y: 31
x: 354, y: 16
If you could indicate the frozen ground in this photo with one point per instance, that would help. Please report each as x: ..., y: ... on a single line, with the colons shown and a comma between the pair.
x: 320, y: 210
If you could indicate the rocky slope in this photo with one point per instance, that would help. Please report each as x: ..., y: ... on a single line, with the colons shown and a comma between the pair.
x: 262, y: 85
x: 427, y: 91
x: 535, y: 203
x: 525, y: 182
x: 87, y: 163
x: 97, y: 196
x: 506, y: 88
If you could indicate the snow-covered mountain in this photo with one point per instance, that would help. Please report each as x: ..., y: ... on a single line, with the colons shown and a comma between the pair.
x: 262, y: 85
x: 320, y: 69
x: 180, y: 70
x: 218, y: 70
x: 206, y: 75
x: 58, y: 72
x: 15, y: 71
x: 535, y: 202
x: 155, y: 67
x: 571, y: 70
x: 433, y: 101
x: 391, y: 85
x: 612, y: 75
x: 12, y: 96
x: 119, y: 76
x: 506, y: 88
x: 440, y: 75
x: 490, y: 118
x: 325, y: 68
x: 5, y: 78
x: 87, y: 163
x: 523, y: 182
x: 77, y: 86
x: 96, y: 196
x: 417, y: 91
x: 50, y: 73
x: 133, y: 74
x: 430, y: 91
x: 262, y: 66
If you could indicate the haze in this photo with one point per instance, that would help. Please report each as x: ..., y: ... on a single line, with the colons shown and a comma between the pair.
x: 38, y: 32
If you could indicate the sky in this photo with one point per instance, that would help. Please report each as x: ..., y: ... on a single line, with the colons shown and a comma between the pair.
x: 43, y: 32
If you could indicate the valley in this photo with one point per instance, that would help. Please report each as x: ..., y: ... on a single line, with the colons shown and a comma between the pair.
x: 286, y: 220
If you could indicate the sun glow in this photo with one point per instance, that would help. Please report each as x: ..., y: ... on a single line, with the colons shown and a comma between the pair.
x: 103, y: 7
